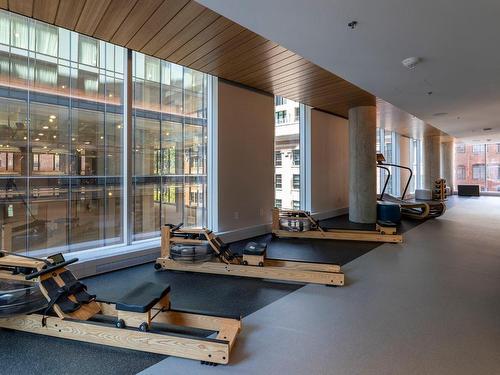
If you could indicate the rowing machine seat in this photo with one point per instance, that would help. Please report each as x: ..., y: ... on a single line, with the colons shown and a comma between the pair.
x: 388, y: 211
x: 254, y: 248
x: 142, y: 298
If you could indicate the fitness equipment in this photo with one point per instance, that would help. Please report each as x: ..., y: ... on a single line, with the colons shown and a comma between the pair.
x: 253, y: 262
x: 140, y: 320
x: 414, y: 208
x: 300, y: 224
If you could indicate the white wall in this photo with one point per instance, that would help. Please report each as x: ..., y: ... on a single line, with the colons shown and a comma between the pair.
x: 330, y: 164
x: 245, y: 160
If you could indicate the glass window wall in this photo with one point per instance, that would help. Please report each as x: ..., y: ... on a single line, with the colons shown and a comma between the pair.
x: 62, y: 141
x: 170, y: 145
x: 287, y: 153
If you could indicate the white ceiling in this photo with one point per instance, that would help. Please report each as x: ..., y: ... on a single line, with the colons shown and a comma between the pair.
x: 457, y: 40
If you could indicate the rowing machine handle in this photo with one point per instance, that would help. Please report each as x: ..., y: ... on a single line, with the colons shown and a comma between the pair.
x: 173, y: 227
x: 51, y: 268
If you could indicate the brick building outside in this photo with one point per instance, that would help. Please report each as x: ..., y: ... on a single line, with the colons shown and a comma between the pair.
x: 478, y: 164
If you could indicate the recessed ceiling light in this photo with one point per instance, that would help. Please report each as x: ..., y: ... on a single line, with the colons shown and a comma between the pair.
x: 40, y: 134
x: 45, y: 127
x: 37, y: 139
x: 53, y: 117
x: 87, y: 142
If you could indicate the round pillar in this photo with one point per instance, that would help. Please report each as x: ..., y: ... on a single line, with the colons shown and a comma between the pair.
x: 432, y: 160
x: 362, y: 164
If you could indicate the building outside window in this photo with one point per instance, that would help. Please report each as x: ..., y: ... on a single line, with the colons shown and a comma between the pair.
x: 478, y: 172
x: 477, y: 149
x: 278, y: 182
x: 277, y: 203
x: 460, y: 173
x: 296, y: 158
x: 296, y: 205
x: 278, y: 160
x: 287, y: 144
x: 62, y: 144
x: 281, y: 117
x: 460, y: 148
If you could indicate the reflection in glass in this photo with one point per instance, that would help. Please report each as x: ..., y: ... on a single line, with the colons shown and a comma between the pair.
x: 169, y: 145
x: 60, y: 138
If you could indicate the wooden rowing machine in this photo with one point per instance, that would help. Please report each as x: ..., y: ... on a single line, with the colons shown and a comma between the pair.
x: 139, y: 320
x: 301, y: 224
x: 253, y: 263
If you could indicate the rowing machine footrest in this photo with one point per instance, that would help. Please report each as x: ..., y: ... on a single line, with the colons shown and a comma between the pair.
x: 76, y: 288
x: 59, y: 296
x: 387, y: 211
x: 254, y: 248
x: 142, y: 298
x: 387, y: 224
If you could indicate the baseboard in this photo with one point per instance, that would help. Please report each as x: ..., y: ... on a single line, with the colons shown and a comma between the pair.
x: 113, y: 262
x: 246, y: 232
x: 331, y: 213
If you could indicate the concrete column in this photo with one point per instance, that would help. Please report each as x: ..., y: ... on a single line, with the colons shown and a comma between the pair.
x: 362, y: 165
x: 447, y: 159
x: 432, y: 160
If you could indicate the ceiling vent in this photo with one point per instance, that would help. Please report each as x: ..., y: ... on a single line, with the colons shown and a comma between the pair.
x: 486, y: 129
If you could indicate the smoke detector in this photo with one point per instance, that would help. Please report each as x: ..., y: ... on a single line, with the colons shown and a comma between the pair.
x: 410, y: 62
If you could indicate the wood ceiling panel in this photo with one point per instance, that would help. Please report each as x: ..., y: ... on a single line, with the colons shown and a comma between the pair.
x: 45, y: 10
x: 245, y: 39
x: 280, y: 68
x: 68, y: 13
x: 187, y: 14
x: 194, y: 28
x: 258, y: 68
x: 145, y: 20
x: 245, y: 59
x: 187, y: 33
x: 24, y: 7
x: 211, y: 32
x: 114, y: 16
x: 91, y: 15
x: 286, y: 75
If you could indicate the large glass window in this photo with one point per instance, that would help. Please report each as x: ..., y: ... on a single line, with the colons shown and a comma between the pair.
x: 416, y: 161
x: 170, y: 145
x: 62, y: 132
x: 478, y: 164
x: 60, y: 139
x: 287, y: 146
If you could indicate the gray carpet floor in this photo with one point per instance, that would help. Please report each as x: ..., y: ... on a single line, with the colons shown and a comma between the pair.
x: 428, y: 306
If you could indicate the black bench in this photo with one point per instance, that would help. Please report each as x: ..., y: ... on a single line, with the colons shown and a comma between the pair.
x: 142, y: 298
x: 468, y: 190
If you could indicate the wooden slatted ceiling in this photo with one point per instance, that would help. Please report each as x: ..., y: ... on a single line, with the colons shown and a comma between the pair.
x: 185, y: 32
